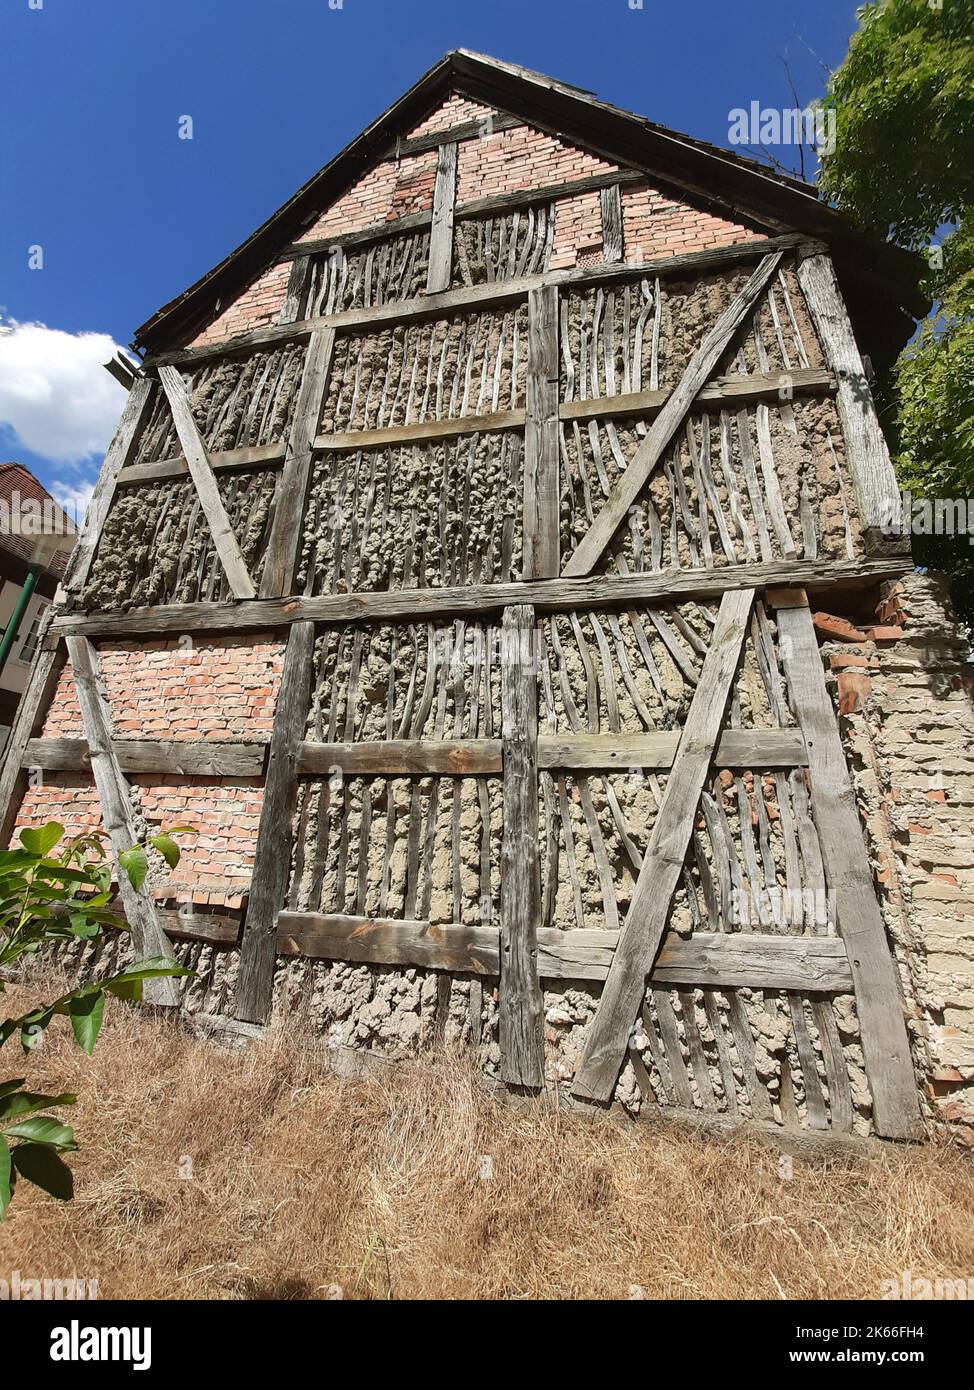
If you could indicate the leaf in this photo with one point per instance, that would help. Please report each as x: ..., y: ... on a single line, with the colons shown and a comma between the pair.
x: 83, y: 926
x: 86, y: 1015
x: 44, y: 1169
x: 183, y: 830
x: 7, y: 1086
x: 42, y: 840
x: 43, y: 1129
x: 135, y: 863
x: 25, y: 1102
x: 167, y: 847
x: 6, y: 1186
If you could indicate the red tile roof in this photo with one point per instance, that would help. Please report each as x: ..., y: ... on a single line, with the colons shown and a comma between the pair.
x: 16, y: 480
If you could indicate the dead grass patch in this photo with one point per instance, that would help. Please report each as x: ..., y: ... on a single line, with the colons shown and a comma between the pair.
x: 422, y: 1186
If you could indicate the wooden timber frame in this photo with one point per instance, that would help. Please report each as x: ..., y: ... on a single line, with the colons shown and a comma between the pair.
x: 521, y: 952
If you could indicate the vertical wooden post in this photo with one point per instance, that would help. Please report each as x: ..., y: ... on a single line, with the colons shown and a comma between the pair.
x: 520, y: 1008
x: 440, y: 271
x: 541, y: 502
x: 272, y: 860
x: 148, y: 937
x: 297, y: 289
x: 885, y: 1043
x: 869, y: 461
x: 612, y: 248
x: 286, y: 527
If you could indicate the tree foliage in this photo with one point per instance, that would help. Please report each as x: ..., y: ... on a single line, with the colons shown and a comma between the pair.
x: 903, y: 163
x: 55, y: 890
x: 903, y: 167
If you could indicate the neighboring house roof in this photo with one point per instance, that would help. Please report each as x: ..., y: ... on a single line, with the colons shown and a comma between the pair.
x: 886, y: 278
x: 17, y: 480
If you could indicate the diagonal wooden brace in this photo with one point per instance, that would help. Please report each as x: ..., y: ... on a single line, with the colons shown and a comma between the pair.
x: 669, y: 420
x: 148, y: 937
x: 642, y: 934
x: 207, y: 488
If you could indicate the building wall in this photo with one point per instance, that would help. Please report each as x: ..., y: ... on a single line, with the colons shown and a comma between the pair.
x: 902, y: 681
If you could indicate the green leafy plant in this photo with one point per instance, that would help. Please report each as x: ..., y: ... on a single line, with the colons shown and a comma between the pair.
x: 52, y: 890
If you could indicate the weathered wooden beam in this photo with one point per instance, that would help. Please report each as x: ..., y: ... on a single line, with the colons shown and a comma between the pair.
x: 440, y: 268
x: 34, y: 703
x: 725, y: 391
x: 404, y: 605
x: 744, y: 748
x: 541, y: 499
x: 423, y: 432
x: 472, y: 297
x: 212, y: 928
x: 877, y: 491
x: 207, y: 488
x: 885, y: 1044
x: 520, y: 1008
x: 148, y: 938
x: 611, y: 200
x: 497, y: 204
x: 650, y: 451
x: 173, y: 757
x: 296, y: 298
x: 728, y: 960
x: 138, y: 406
x: 272, y: 858
x: 478, y: 129
x: 403, y: 758
x: 639, y: 941
x: 226, y: 460
x: 285, y: 537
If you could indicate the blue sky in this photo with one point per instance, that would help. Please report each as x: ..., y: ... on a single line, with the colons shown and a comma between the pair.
x: 127, y: 214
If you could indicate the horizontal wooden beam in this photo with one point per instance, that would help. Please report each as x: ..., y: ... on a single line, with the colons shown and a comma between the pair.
x: 175, y: 757
x: 423, y: 432
x: 473, y: 757
x: 474, y: 297
x: 477, y: 129
x: 745, y: 748
x: 494, y: 205
x: 446, y: 757
x: 226, y: 460
x: 212, y: 928
x: 728, y: 960
x: 726, y: 391
x: 405, y: 605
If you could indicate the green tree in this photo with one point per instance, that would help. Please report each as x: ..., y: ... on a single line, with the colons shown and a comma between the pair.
x: 54, y: 897
x: 903, y: 167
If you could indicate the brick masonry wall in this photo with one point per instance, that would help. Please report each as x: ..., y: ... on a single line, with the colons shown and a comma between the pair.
x: 654, y: 224
x: 385, y: 193
x: 453, y: 112
x: 259, y: 306
x: 903, y: 685
x: 510, y: 160
x: 223, y: 689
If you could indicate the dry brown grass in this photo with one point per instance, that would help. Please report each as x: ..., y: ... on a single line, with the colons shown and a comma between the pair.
x: 302, y: 1181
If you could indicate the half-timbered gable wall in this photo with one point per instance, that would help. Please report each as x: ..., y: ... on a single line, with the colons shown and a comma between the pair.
x: 453, y: 579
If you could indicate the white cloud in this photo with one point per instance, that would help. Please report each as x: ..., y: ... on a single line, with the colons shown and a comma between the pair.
x: 74, y: 498
x: 54, y: 392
